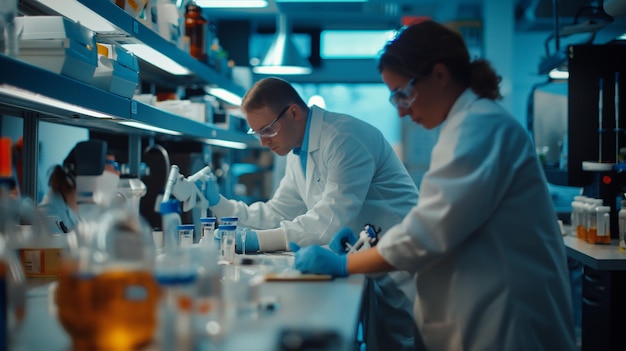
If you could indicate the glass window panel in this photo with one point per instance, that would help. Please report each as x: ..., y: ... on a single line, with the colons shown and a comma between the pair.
x: 353, y: 43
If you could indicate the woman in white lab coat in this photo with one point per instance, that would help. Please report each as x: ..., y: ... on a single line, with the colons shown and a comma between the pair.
x: 483, y: 238
x: 60, y: 201
x: 60, y: 204
x: 340, y: 172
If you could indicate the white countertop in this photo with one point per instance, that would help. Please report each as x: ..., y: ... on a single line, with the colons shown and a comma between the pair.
x: 600, y: 257
x: 307, y: 305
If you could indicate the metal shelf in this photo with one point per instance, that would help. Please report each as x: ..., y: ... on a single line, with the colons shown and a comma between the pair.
x: 44, y: 83
x: 136, y: 31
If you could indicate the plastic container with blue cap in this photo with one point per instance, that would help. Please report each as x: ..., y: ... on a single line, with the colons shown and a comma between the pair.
x: 170, y: 220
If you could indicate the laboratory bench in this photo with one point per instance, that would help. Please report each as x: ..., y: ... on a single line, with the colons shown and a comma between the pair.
x: 324, y: 307
x: 603, y: 293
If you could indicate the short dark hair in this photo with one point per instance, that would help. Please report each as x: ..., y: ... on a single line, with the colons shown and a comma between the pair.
x: 271, y: 92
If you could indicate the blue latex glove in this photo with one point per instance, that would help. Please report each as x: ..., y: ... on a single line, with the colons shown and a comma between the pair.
x: 212, y: 191
x: 316, y: 259
x: 338, y: 242
x: 252, y: 242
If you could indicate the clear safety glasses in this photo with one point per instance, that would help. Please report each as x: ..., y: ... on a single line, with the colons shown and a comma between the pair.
x: 272, y: 129
x: 404, y: 97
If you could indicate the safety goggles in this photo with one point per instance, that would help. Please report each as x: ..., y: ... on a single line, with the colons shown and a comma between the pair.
x: 404, y: 97
x: 272, y: 129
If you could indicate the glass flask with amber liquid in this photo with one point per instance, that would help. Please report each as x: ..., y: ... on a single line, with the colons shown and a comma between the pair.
x: 196, y: 29
x: 107, y: 295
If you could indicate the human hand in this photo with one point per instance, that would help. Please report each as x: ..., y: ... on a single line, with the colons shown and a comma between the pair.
x: 338, y: 242
x: 252, y: 241
x: 212, y: 191
x: 316, y: 259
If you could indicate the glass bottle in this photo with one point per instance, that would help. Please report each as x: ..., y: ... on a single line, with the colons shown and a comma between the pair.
x: 603, y: 224
x: 622, y: 226
x: 8, y: 29
x: 591, y: 219
x: 577, y: 217
x: 195, y: 29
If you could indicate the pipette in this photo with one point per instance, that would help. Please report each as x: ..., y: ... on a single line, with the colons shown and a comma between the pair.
x: 368, y: 237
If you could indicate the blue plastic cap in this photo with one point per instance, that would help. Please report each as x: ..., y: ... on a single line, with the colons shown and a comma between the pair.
x: 208, y: 219
x: 227, y: 227
x: 229, y: 219
x: 170, y: 206
x: 185, y: 226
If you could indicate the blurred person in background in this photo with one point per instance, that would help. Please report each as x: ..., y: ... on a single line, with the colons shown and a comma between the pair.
x: 61, y: 201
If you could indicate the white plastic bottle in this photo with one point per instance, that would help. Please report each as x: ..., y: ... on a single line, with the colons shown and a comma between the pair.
x: 170, y: 220
x: 577, y: 216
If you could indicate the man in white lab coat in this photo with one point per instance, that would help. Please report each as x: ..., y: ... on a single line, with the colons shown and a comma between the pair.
x: 340, y: 172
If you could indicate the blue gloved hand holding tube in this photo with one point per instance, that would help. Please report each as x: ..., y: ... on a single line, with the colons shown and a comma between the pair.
x: 212, y: 191
x: 252, y: 241
x: 338, y: 242
x: 316, y: 259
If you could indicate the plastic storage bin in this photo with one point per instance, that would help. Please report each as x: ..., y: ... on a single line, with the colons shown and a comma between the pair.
x: 59, y: 45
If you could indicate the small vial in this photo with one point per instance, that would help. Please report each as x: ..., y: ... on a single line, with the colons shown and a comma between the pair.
x: 227, y: 243
x: 602, y: 234
x: 591, y: 219
x: 576, y: 216
x: 185, y: 234
x: 208, y: 229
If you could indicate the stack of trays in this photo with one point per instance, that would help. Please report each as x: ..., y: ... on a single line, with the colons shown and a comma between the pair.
x: 118, y: 70
x: 59, y: 45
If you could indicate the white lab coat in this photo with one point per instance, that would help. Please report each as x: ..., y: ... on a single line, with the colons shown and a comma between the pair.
x: 53, y: 205
x: 484, y: 240
x: 353, y: 177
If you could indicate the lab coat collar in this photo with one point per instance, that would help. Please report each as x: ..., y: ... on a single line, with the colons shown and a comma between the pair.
x: 462, y: 103
x: 316, y: 116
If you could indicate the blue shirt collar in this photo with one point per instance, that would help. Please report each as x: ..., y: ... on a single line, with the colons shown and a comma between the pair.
x: 305, y: 140
x: 303, y: 150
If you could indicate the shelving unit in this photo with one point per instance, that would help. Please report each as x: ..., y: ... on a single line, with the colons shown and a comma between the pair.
x: 97, y: 109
